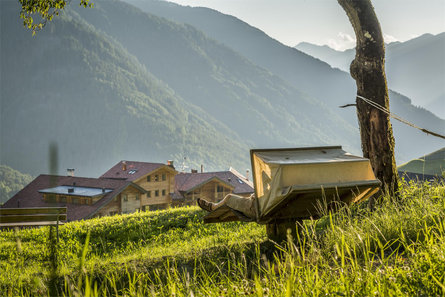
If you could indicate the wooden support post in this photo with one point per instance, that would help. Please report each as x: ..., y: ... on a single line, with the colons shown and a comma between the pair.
x: 277, y: 230
x: 57, y: 229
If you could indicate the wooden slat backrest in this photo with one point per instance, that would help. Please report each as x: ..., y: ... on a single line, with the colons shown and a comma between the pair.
x: 32, y: 218
x: 33, y: 210
x: 36, y: 215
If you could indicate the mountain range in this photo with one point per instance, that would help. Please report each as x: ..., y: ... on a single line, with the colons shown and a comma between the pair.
x: 312, y: 76
x: 76, y: 87
x: 415, y: 68
x: 120, y: 82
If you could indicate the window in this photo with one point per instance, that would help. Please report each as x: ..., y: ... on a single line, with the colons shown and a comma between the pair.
x: 158, y: 206
x: 137, y: 197
x: 62, y: 199
x: 164, y: 177
x: 125, y: 197
x: 51, y: 198
x: 145, y: 208
x: 148, y: 178
x: 220, y: 189
x: 148, y: 194
x: 156, y: 177
x: 157, y: 193
x: 132, y: 171
x: 75, y: 200
x: 163, y: 192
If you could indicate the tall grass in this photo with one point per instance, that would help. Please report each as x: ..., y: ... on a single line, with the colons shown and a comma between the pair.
x: 398, y: 249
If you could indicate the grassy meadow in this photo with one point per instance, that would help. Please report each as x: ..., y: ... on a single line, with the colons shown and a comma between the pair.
x: 396, y: 250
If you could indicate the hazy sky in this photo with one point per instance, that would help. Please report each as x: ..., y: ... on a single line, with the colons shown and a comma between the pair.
x: 325, y: 22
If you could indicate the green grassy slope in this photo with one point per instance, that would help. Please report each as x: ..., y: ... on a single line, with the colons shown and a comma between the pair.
x: 145, y: 239
x: 433, y: 164
x: 397, y: 250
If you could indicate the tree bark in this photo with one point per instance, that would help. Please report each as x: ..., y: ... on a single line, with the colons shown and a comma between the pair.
x: 278, y: 230
x: 368, y: 70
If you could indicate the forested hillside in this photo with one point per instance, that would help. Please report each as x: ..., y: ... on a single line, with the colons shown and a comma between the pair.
x: 82, y: 89
x: 116, y: 83
x: 312, y: 76
x: 11, y: 181
x: 77, y: 87
x: 260, y: 107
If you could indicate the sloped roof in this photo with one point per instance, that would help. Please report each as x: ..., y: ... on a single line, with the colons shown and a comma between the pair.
x: 76, y: 191
x: 187, y: 181
x: 134, y: 170
x: 29, y: 196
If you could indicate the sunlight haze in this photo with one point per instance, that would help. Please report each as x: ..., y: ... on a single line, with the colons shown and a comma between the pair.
x: 324, y: 22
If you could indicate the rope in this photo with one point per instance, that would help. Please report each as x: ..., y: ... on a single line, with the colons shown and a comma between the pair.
x: 400, y: 119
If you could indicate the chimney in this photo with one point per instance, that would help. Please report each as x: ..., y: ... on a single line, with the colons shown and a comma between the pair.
x: 170, y: 163
x: 124, y: 166
x: 202, y: 168
x: 194, y: 171
x: 247, y: 174
x: 70, y: 190
x: 70, y: 171
x: 103, y: 190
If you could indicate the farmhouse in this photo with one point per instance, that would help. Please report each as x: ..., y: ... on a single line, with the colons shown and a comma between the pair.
x: 211, y: 186
x: 84, y: 197
x: 128, y: 187
x: 157, y: 179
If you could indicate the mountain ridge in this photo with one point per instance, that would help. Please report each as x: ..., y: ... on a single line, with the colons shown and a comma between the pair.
x: 316, y: 78
x: 92, y: 83
x: 115, y: 83
x: 218, y: 72
x: 404, y: 62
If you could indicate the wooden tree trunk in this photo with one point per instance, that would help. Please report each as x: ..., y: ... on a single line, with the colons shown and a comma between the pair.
x: 277, y: 230
x: 368, y: 70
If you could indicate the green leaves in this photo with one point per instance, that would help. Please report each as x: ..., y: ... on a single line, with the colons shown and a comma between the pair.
x: 44, y: 10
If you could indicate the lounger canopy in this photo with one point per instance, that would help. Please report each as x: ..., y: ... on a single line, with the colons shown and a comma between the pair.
x: 299, y: 183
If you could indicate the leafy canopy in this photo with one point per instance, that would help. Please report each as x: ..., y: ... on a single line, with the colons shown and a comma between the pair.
x: 45, y: 10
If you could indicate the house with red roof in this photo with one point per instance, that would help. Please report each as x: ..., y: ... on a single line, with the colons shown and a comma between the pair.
x: 211, y: 186
x: 157, y: 180
x: 127, y: 187
x: 84, y: 197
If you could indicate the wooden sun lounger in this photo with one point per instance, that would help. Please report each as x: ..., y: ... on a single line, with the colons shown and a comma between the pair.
x: 303, y: 202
